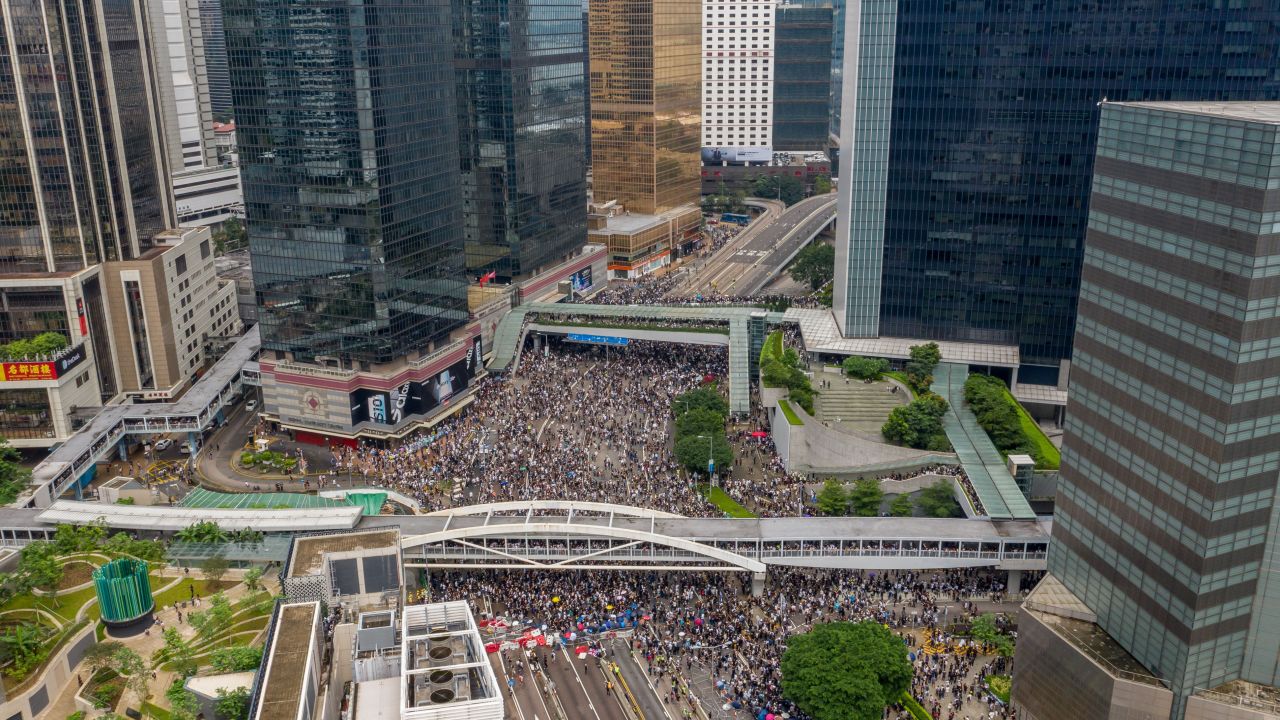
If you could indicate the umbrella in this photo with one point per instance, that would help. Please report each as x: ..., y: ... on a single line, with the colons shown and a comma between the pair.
x: 759, y: 434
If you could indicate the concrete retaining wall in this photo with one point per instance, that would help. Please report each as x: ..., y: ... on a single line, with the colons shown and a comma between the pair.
x: 57, y: 674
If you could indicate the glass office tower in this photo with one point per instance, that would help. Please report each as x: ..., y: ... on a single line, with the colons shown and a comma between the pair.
x: 521, y: 117
x: 348, y: 142
x: 1166, y: 520
x: 646, y: 100
x: 802, y: 40
x: 969, y: 130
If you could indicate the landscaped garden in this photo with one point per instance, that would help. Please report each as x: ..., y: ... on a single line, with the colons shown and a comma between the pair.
x: 1007, y: 423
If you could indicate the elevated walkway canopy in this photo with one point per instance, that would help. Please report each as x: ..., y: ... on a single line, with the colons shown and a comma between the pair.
x: 995, y: 487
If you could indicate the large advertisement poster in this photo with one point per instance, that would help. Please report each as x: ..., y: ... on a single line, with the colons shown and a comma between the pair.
x: 42, y: 370
x: 581, y: 280
x: 718, y: 155
x: 390, y: 407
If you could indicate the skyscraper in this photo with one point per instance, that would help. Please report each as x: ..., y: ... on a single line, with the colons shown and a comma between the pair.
x: 802, y: 76
x: 737, y: 76
x: 520, y: 89
x: 646, y: 60
x: 348, y: 148
x: 968, y: 132
x: 1165, y: 532
x: 215, y: 59
x: 348, y: 141
x: 645, y: 103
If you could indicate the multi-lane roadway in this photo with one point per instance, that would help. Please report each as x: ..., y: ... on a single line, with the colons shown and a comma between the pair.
x: 747, y: 263
x: 573, y: 688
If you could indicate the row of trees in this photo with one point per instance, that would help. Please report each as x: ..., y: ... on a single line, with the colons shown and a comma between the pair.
x: 865, y: 368
x: 918, y: 424
x: 781, y: 368
x: 699, y: 429
x: 865, y: 498
x: 990, y: 401
x: 46, y: 343
x: 210, y: 533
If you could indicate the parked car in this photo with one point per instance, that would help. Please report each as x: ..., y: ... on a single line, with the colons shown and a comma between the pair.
x: 185, y: 448
x: 251, y: 405
x: 163, y: 444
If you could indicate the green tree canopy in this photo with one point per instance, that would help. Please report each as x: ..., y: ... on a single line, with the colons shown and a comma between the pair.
x: 814, y: 265
x: 938, y: 500
x: 919, y: 369
x: 901, y: 506
x: 692, y: 452
x: 237, y: 658
x: 821, y: 185
x: 704, y: 397
x: 13, y: 477
x: 700, y: 421
x: 918, y: 424
x: 232, y: 704
x: 845, y: 671
x: 214, y: 567
x: 985, y: 630
x: 865, y: 368
x: 832, y: 499
x: 253, y: 579
x: 865, y: 498
x: 38, y: 567
x: 787, y: 188
x: 201, y: 532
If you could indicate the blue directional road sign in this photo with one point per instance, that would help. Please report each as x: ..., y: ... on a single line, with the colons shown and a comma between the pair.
x: 597, y: 339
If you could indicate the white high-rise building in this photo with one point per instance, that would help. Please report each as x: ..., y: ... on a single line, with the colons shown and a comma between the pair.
x: 737, y: 75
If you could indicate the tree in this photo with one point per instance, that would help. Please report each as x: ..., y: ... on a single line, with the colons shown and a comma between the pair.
x: 48, y: 343
x: 700, y: 421
x: 845, y: 671
x: 919, y: 369
x: 69, y: 539
x: 24, y: 644
x: 917, y: 424
x: 985, y: 631
x: 704, y: 397
x: 214, y: 568
x: 202, y: 532
x: 787, y: 188
x: 232, y: 704
x: 13, y: 477
x: 821, y: 185
x: 865, y: 368
x: 938, y: 500
x: 39, y: 569
x: 901, y: 506
x: 253, y: 579
x: 866, y: 497
x: 832, y: 499
x: 693, y: 451
x: 117, y: 657
x: 814, y: 265
x: 182, y: 702
x: 238, y: 658
x: 177, y: 652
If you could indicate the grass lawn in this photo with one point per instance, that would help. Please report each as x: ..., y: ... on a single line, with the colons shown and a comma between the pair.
x: 902, y: 378
x: 152, y: 710
x: 792, y: 417
x: 182, y: 591
x: 64, y: 606
x: 1049, y: 457
x: 726, y: 503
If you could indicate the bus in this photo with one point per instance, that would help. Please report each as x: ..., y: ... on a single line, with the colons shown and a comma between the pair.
x: 735, y: 218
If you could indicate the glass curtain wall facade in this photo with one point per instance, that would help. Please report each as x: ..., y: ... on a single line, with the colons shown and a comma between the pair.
x: 520, y: 89
x: 976, y: 207
x: 646, y: 99
x: 215, y: 58
x: 348, y: 140
x: 80, y: 181
x: 1166, y: 519
x: 802, y: 77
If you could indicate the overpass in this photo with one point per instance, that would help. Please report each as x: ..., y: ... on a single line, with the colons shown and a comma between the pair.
x: 198, y: 408
x: 747, y: 327
x: 570, y: 535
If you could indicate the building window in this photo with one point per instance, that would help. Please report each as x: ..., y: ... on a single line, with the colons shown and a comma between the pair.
x: 138, y: 329
x: 180, y: 265
x: 204, y: 249
x: 25, y: 414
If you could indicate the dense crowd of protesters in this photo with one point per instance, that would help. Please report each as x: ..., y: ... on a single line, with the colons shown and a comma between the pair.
x: 698, y: 623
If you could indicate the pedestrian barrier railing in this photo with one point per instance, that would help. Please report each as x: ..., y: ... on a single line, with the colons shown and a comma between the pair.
x: 507, y: 553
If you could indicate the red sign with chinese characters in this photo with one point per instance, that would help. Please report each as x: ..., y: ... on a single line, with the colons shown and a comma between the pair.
x: 16, y: 371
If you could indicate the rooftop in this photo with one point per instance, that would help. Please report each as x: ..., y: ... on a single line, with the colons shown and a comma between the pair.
x: 1242, y: 693
x: 161, y: 518
x: 308, y: 552
x: 821, y: 334
x: 1259, y: 112
x: 281, y: 691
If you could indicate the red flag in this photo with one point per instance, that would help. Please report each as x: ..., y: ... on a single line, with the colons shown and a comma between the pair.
x: 491, y: 275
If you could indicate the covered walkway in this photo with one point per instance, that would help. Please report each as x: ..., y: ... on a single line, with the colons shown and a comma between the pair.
x: 995, y: 487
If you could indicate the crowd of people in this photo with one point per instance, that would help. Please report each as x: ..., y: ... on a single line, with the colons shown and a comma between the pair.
x: 695, y: 623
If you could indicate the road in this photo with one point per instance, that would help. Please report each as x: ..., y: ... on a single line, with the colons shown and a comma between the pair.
x: 749, y: 261
x: 568, y: 688
x: 694, y: 282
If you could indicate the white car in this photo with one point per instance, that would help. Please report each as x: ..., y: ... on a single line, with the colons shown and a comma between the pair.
x: 251, y: 405
x: 185, y: 448
x: 163, y: 444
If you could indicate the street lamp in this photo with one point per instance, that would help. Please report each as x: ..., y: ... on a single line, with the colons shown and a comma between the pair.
x: 711, y: 458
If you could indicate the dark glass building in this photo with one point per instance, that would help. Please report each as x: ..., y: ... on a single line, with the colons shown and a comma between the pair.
x: 1165, y: 530
x: 521, y: 88
x: 969, y: 130
x: 348, y: 143
x: 215, y: 58
x: 802, y: 38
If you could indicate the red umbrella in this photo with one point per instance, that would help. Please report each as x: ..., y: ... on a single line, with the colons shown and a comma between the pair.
x: 759, y: 434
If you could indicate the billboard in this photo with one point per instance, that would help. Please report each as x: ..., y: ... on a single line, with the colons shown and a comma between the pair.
x: 581, y: 280
x: 718, y: 155
x: 42, y: 370
x: 390, y: 407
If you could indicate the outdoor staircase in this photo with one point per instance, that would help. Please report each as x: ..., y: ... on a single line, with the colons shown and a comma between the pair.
x: 864, y: 405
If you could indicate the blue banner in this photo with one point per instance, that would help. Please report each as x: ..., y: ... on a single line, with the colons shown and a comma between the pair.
x: 597, y: 339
